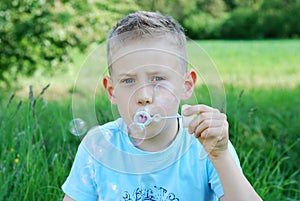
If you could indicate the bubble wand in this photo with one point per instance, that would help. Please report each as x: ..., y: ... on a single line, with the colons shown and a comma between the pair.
x: 144, y: 118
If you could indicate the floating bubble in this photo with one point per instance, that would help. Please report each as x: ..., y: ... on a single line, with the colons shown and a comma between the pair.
x: 109, y: 191
x: 77, y: 127
x: 87, y: 174
x: 136, y: 133
x: 113, y: 192
x: 86, y: 98
x: 164, y: 95
x: 114, y: 187
x: 101, y: 144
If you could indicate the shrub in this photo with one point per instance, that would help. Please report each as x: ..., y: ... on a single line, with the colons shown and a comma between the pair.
x: 202, y: 25
x: 40, y: 34
x: 242, y: 23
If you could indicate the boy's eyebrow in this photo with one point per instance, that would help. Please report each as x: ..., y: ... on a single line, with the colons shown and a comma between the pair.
x: 157, y: 72
x: 148, y: 71
x: 126, y: 75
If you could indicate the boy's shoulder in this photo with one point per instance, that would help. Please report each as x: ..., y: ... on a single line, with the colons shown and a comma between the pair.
x: 111, y: 126
x: 107, y: 133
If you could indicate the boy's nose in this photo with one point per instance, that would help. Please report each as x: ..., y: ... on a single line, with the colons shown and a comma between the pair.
x: 144, y: 95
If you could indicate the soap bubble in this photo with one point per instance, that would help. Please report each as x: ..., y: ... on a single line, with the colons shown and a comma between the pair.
x: 113, y: 192
x: 112, y: 187
x: 136, y: 133
x: 84, y: 106
x: 164, y: 95
x: 77, y: 127
x: 101, y: 145
x: 109, y: 191
x: 87, y: 174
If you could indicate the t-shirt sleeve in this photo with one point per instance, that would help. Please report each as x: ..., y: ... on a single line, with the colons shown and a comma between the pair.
x: 214, y: 180
x: 80, y: 183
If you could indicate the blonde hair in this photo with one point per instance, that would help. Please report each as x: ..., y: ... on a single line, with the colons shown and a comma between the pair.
x: 144, y: 25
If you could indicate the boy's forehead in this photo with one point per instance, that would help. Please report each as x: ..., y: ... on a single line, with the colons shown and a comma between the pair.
x: 146, y: 52
x: 146, y: 57
x: 153, y: 44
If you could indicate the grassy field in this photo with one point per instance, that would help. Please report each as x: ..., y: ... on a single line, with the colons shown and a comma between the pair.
x: 262, y: 83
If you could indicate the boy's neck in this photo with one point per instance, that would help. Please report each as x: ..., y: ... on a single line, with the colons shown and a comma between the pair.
x: 162, y: 140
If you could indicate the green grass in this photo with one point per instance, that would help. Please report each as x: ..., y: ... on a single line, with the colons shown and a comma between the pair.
x: 263, y: 107
x: 36, y: 149
x: 265, y: 133
x: 256, y: 63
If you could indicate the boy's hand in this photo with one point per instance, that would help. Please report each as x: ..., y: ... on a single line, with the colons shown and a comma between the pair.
x: 210, y: 126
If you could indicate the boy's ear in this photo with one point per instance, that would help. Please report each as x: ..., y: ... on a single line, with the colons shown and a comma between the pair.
x: 108, y: 86
x: 189, y: 84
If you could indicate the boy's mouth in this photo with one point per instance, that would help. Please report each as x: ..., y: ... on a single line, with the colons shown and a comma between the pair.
x: 142, y: 117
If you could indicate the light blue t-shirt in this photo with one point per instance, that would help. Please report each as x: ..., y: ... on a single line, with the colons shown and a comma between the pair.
x: 109, y: 167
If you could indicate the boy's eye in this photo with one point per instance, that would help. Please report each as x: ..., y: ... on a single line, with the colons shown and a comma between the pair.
x: 127, y: 81
x: 158, y: 78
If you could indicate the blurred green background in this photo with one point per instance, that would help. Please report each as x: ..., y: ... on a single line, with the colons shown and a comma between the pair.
x: 40, y: 34
x: 254, y: 44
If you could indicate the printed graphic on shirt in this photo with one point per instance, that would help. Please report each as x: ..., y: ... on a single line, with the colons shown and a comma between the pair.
x: 149, y: 194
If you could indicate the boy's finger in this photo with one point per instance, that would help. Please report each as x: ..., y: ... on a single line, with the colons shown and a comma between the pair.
x: 199, y: 124
x: 195, y: 109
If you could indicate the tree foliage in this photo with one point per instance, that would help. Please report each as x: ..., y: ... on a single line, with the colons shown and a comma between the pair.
x: 233, y: 19
x: 39, y: 34
x: 264, y: 19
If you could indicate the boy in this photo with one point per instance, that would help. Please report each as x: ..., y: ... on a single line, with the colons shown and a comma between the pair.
x: 147, y: 154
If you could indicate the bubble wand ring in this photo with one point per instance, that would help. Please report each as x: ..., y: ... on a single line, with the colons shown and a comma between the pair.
x: 143, y: 117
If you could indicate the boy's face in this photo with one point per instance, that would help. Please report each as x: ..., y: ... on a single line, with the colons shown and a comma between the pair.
x: 147, y: 76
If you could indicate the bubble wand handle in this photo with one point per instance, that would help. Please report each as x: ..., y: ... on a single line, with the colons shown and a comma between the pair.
x: 157, y: 117
x: 185, y: 119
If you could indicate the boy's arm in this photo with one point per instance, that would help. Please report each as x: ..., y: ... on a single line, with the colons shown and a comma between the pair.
x: 210, y: 127
x: 67, y: 198
x: 234, y: 183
